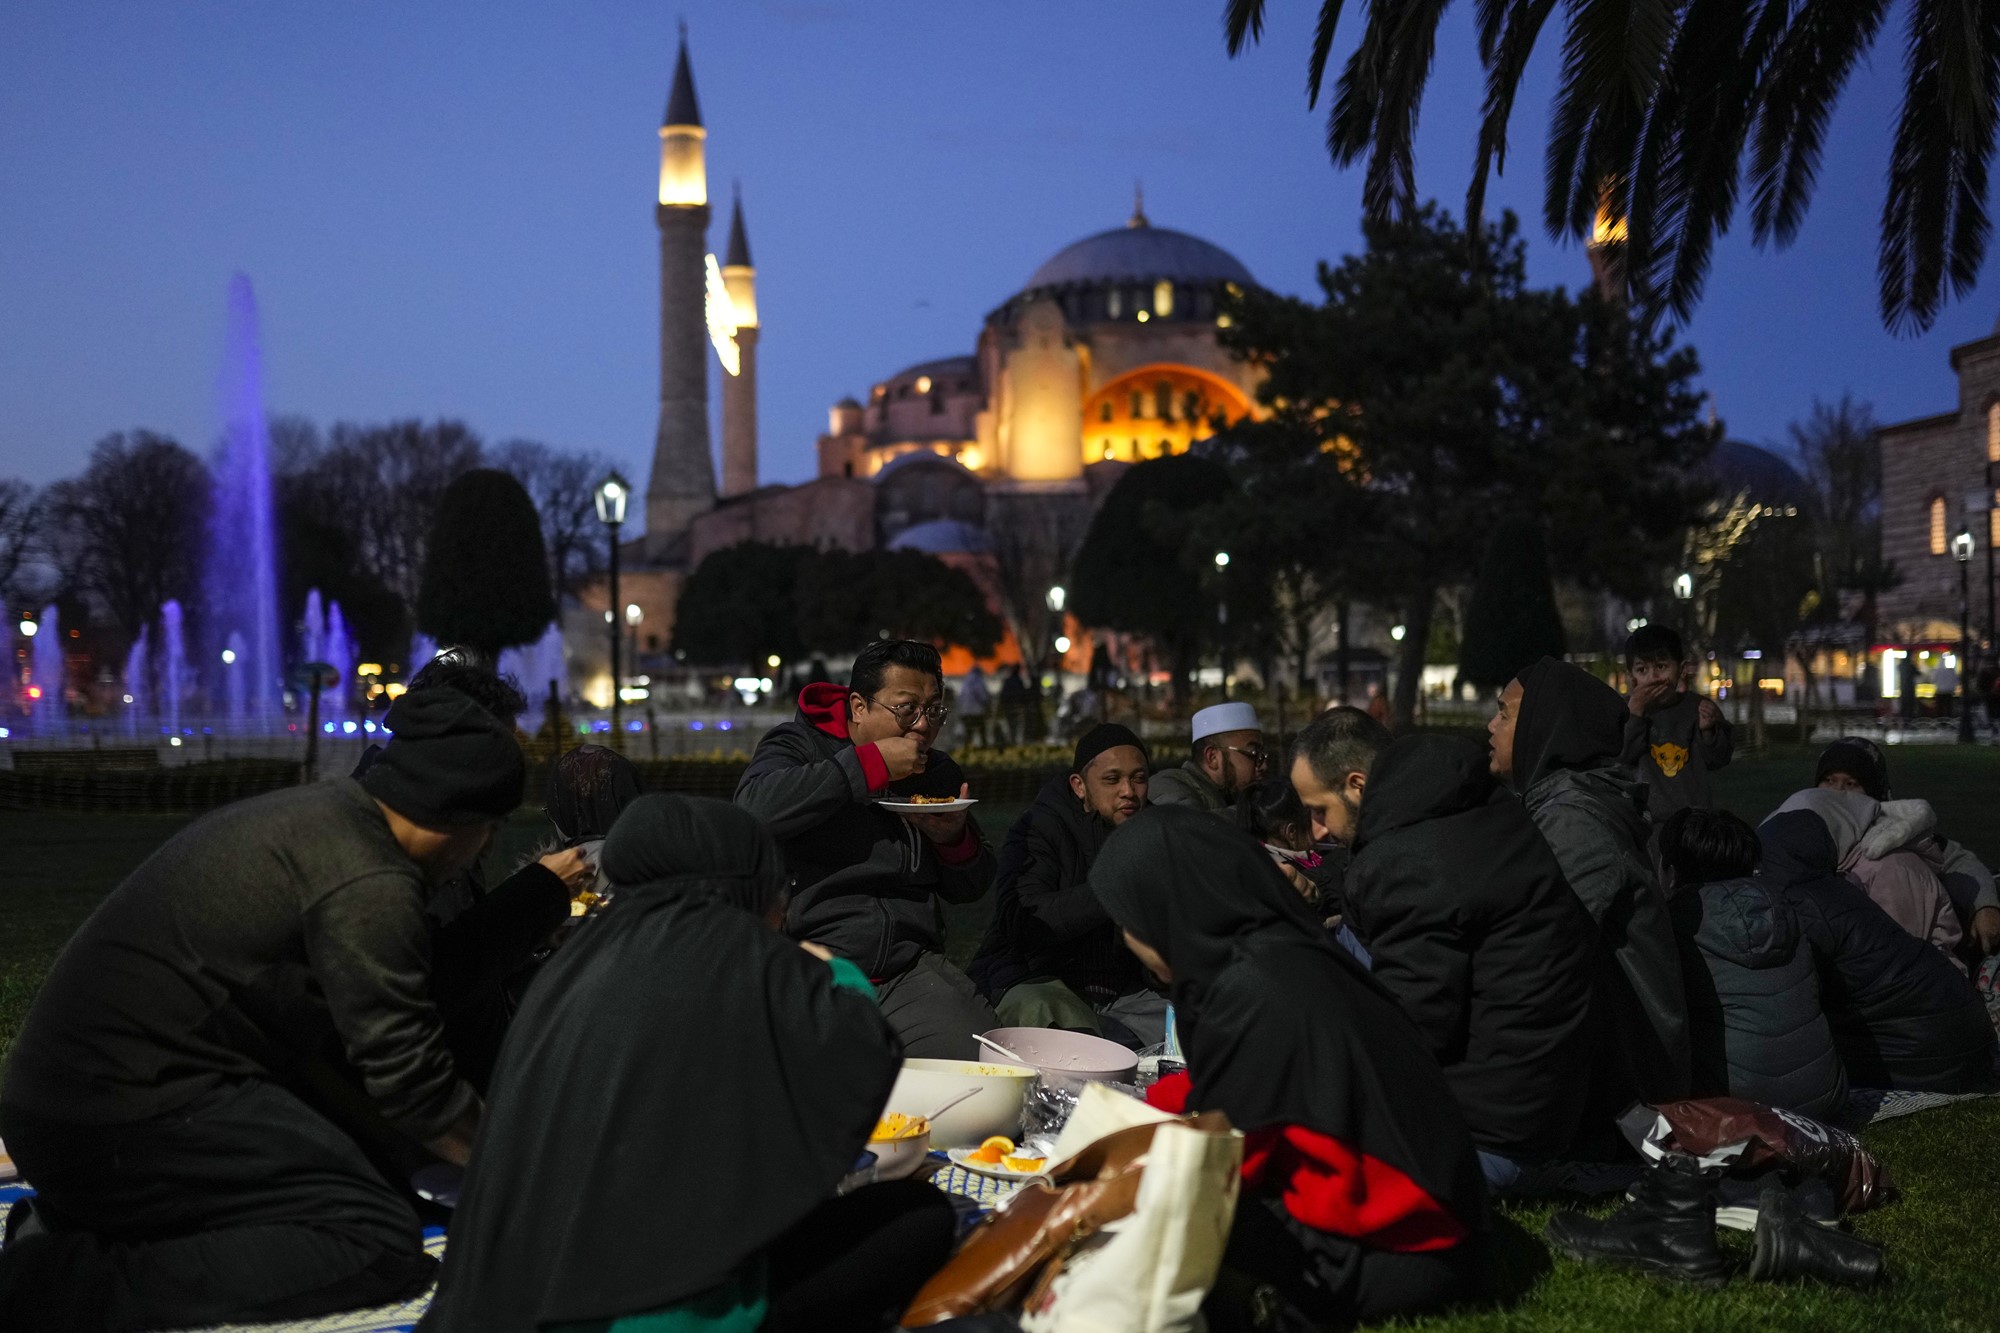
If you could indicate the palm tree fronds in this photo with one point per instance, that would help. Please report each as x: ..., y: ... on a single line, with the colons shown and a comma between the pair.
x: 1799, y: 92
x: 1507, y: 33
x: 1242, y: 24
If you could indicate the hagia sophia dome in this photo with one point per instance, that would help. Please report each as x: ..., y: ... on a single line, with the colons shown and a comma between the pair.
x: 1107, y: 354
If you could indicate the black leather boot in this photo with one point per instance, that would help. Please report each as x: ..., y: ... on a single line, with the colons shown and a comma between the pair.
x: 1666, y: 1226
x: 1790, y: 1245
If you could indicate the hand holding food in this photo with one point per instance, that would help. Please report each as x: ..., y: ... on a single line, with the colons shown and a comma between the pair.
x: 903, y: 756
x: 941, y: 828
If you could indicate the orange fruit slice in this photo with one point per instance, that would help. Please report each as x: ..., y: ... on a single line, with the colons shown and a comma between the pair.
x: 1027, y: 1164
x: 993, y: 1150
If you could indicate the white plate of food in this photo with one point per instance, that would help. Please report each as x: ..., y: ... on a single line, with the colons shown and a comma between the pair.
x: 1010, y: 1163
x: 928, y: 805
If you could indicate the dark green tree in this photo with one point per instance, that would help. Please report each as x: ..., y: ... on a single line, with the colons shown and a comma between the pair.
x: 847, y: 598
x: 1137, y: 572
x: 739, y: 607
x: 1434, y: 380
x: 1512, y: 620
x: 1665, y: 105
x: 486, y: 573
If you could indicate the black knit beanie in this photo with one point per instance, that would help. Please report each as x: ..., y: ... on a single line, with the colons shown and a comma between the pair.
x: 448, y: 762
x: 1859, y: 758
x: 1105, y: 736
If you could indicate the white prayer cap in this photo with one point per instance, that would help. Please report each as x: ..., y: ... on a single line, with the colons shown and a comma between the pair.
x: 1218, y: 718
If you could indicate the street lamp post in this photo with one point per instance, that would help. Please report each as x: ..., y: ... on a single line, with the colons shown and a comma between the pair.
x: 612, y: 493
x: 1961, y: 551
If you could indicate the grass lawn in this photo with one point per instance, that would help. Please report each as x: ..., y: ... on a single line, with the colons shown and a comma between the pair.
x: 1941, y: 1236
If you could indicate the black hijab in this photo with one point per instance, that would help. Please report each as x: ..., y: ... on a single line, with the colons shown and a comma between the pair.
x: 1569, y: 719
x: 1280, y: 1026
x: 588, y: 788
x: 681, y: 1086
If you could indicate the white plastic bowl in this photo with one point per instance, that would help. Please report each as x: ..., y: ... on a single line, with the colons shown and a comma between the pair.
x: 896, y: 1158
x: 994, y: 1108
x: 1070, y: 1057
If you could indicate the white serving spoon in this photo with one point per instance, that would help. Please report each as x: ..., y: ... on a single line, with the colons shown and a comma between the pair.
x: 993, y: 1045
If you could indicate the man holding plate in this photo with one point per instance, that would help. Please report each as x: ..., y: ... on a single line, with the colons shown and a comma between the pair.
x: 837, y: 786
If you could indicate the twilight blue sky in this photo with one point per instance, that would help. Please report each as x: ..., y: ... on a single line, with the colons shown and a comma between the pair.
x: 446, y: 207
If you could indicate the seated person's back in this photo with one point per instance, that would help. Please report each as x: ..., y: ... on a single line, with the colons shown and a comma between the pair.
x: 1460, y: 903
x: 1878, y: 845
x: 1754, y: 1011
x: 1902, y: 1015
x: 1362, y: 1191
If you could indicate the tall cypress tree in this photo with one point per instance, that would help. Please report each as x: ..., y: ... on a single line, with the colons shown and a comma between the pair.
x: 1512, y: 621
x: 486, y: 572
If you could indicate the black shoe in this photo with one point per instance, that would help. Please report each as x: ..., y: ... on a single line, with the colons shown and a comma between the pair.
x: 1667, y: 1227
x: 1790, y: 1246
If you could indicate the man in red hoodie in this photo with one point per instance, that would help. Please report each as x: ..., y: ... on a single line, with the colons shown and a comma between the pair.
x: 866, y: 881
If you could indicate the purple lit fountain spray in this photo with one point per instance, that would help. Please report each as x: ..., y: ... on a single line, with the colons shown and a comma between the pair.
x: 242, y: 571
x: 137, y: 691
x: 173, y: 668
x: 52, y: 709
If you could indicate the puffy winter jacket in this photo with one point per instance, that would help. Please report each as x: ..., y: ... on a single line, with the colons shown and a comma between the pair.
x: 1753, y: 1000
x: 1186, y: 784
x: 1593, y: 813
x: 866, y: 883
x: 1470, y: 926
x: 1887, y: 847
x: 1902, y: 1015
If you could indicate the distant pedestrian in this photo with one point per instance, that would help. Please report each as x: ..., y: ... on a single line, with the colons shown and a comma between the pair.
x: 1675, y: 738
x: 975, y: 701
x: 1013, y: 705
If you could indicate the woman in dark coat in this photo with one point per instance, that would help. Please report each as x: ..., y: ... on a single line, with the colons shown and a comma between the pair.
x: 1363, y: 1198
x: 1902, y: 1015
x: 676, y: 1104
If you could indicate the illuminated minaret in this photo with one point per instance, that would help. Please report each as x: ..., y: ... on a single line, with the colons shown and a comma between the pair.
x: 739, y: 391
x: 683, y: 481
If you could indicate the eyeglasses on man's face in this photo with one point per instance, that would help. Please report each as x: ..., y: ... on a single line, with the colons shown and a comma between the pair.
x: 1256, y: 754
x: 906, y: 714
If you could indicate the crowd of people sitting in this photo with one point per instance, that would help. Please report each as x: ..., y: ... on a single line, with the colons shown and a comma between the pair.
x: 1419, y: 973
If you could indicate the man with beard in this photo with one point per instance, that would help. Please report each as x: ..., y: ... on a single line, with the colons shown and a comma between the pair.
x: 1464, y: 913
x: 1228, y: 755
x: 1555, y: 735
x: 1052, y: 956
x: 866, y: 881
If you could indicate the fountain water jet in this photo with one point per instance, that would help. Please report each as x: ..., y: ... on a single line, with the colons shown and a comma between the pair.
x: 534, y: 665
x: 51, y: 710
x: 339, y: 650
x: 242, y: 571
x: 174, y: 674
x: 135, y: 681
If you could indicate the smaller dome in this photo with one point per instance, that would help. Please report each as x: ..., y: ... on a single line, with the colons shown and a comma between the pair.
x: 943, y: 536
x: 1766, y: 477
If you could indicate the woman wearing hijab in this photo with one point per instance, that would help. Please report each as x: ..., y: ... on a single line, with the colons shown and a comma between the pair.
x: 1363, y: 1197
x: 675, y: 1106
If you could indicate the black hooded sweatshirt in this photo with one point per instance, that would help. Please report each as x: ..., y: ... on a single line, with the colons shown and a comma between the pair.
x: 1046, y: 921
x: 681, y: 1087
x: 1462, y: 907
x: 1348, y: 1118
x: 1593, y: 813
x: 1902, y: 1015
x: 865, y: 882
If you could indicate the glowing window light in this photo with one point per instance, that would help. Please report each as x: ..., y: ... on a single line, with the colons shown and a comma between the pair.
x: 722, y: 320
x: 1163, y: 298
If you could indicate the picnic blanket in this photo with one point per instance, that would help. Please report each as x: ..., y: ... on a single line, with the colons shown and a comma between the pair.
x: 1865, y: 1106
x: 981, y: 1194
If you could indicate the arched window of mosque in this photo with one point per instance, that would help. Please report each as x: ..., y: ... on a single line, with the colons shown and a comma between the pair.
x: 1993, y: 432
x: 1993, y: 523
x: 1192, y: 406
x: 1937, y: 525
x: 1163, y: 400
x: 1138, y: 404
x: 1166, y: 447
x: 1163, y: 298
x: 1104, y: 410
x: 1204, y: 303
x: 1112, y: 306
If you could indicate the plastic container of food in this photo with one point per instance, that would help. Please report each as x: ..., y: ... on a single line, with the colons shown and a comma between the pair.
x: 1073, y: 1057
x: 998, y: 1091
x: 900, y: 1143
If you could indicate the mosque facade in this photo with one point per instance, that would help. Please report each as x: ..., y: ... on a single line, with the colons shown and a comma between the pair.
x: 1107, y: 355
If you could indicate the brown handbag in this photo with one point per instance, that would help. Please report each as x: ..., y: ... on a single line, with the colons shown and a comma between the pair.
x: 1041, y: 1224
